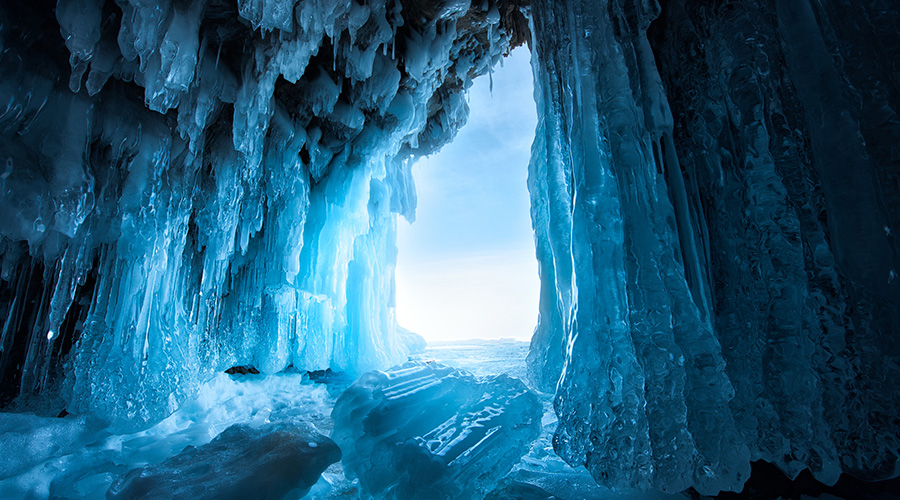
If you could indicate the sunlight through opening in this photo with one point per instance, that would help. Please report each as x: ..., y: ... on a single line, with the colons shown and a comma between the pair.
x: 467, y: 268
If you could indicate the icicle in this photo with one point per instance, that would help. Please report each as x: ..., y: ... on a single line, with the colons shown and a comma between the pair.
x: 263, y: 243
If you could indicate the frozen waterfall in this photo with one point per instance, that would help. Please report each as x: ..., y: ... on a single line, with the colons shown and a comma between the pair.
x: 713, y: 192
x: 220, y: 189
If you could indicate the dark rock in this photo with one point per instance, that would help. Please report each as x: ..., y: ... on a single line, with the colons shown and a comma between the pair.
x: 767, y: 481
x: 242, y: 370
x: 328, y: 376
x: 242, y: 462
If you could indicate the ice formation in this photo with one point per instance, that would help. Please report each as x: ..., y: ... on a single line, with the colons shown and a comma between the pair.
x: 190, y: 186
x: 270, y: 462
x: 426, y: 430
x: 78, y: 457
x: 713, y: 193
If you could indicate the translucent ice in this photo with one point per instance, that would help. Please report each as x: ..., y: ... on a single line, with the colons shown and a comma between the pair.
x: 189, y: 186
x: 424, y: 430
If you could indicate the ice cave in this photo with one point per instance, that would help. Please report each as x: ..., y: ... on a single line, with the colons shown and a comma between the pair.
x: 199, y: 209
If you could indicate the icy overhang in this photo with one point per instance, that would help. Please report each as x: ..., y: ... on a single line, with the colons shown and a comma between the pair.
x: 190, y: 186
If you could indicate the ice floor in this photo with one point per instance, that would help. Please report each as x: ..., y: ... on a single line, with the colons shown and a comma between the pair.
x: 77, y: 457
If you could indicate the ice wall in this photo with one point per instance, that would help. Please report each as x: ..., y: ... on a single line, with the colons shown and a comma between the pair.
x: 713, y: 206
x: 190, y: 186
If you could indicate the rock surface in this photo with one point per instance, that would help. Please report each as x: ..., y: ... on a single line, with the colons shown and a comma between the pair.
x: 265, y: 463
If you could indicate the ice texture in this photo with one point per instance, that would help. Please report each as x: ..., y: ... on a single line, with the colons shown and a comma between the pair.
x: 426, y: 430
x: 715, y: 201
x: 79, y: 457
x: 790, y: 149
x: 268, y: 462
x: 190, y: 186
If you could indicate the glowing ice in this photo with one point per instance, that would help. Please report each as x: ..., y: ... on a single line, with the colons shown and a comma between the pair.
x: 224, y: 191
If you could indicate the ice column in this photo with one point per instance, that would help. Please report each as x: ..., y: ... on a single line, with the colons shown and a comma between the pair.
x: 713, y: 201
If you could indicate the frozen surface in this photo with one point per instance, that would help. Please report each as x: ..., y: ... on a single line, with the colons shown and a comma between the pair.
x: 540, y: 474
x: 479, y: 357
x: 567, y: 485
x: 75, y: 458
x: 270, y: 462
x: 426, y: 430
x: 78, y: 457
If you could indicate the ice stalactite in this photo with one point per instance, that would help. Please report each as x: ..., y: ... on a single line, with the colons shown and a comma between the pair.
x: 718, y: 282
x: 642, y: 374
x: 192, y: 186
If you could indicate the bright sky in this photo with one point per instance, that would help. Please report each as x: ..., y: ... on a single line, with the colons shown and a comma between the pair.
x: 466, y: 267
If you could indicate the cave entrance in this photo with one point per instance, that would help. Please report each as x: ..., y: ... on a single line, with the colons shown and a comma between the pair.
x: 466, y: 267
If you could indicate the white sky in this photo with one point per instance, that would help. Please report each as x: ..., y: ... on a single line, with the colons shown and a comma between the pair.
x: 466, y: 267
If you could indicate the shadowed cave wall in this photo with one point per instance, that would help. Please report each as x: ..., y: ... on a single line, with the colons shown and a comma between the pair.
x: 714, y: 190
